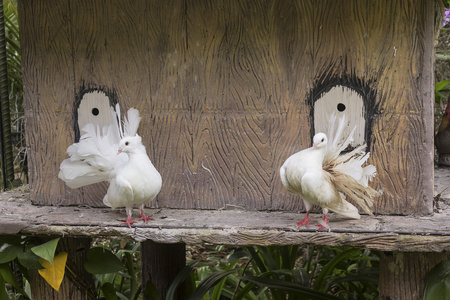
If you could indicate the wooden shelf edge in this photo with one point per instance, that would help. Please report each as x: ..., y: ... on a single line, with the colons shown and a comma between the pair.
x: 378, y: 241
x: 232, y: 227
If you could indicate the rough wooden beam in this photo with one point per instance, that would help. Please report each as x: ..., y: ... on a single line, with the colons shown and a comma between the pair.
x: 234, y: 227
x: 160, y: 264
x: 403, y: 275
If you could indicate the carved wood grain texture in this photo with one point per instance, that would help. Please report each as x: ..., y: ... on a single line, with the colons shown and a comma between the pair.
x: 228, y: 227
x: 403, y: 275
x: 225, y: 89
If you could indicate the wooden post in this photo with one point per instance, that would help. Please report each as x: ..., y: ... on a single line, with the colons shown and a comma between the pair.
x: 79, y: 285
x: 160, y: 264
x: 403, y: 275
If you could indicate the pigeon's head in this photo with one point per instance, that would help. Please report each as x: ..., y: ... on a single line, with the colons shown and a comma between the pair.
x: 319, y: 141
x: 130, y: 144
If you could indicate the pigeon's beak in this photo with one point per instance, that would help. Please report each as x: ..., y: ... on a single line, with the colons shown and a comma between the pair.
x: 119, y: 151
x: 314, y: 146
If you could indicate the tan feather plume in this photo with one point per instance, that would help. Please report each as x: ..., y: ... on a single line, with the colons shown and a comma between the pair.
x: 346, y: 171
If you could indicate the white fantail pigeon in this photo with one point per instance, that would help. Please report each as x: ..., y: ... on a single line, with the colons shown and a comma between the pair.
x: 321, y: 176
x: 116, y: 155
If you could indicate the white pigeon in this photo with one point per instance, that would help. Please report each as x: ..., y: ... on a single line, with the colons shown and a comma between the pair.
x: 320, y: 175
x: 116, y: 155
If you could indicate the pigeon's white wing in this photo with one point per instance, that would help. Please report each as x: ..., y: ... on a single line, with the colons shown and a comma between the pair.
x: 285, y: 181
x: 94, y: 158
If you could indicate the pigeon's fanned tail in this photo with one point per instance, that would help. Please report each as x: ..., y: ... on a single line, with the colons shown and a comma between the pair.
x: 77, y: 174
x: 346, y: 171
x: 359, y: 194
x: 94, y: 158
x: 344, y: 208
x: 131, y: 122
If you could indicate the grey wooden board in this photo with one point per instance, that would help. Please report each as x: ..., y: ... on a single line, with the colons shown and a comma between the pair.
x: 234, y: 226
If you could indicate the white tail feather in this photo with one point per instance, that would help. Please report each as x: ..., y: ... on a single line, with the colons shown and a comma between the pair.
x: 94, y: 158
x: 119, y: 121
x: 346, y: 170
x: 344, y: 208
x: 131, y: 122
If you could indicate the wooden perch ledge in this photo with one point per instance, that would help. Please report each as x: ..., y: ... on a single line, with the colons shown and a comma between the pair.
x: 233, y: 227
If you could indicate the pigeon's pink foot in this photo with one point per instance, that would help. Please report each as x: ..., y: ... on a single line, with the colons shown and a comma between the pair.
x: 323, y: 224
x: 144, y: 217
x: 128, y: 222
x: 306, y: 221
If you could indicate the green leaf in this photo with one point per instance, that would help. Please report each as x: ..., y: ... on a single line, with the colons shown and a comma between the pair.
x: 102, y: 261
x: 218, y: 288
x: 7, y: 275
x: 300, y: 276
x: 246, y: 291
x: 217, y: 291
x: 47, y: 250
x: 238, y: 255
x: 152, y: 293
x: 28, y: 259
x: 8, y: 253
x: 329, y: 267
x: 438, y: 283
x: 210, y: 281
x: 3, y: 295
x: 441, y: 84
x: 109, y: 291
x: 255, y: 256
x: 133, y: 278
x: 179, y: 279
x: 289, y: 287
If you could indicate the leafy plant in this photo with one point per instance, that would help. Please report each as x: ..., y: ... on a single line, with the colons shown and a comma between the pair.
x: 22, y: 252
x: 440, y: 88
x: 318, y: 273
x: 438, y: 283
x: 281, y: 272
x: 115, y: 264
x: 15, y: 87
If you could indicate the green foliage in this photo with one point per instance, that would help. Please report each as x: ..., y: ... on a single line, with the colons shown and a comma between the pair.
x: 220, y: 272
x: 115, y: 264
x: 441, y: 88
x: 185, y: 275
x: 281, y: 272
x: 22, y: 253
x: 438, y: 283
x: 313, y: 272
x: 13, y: 48
x: 102, y: 261
x: 15, y: 97
x: 46, y: 250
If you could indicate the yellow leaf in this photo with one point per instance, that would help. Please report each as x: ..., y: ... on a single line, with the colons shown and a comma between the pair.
x: 54, y: 274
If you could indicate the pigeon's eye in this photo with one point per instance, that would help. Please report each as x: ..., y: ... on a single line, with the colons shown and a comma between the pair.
x: 323, y: 140
x: 126, y: 143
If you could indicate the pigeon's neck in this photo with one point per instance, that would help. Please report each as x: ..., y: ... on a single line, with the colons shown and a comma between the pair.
x: 319, y: 154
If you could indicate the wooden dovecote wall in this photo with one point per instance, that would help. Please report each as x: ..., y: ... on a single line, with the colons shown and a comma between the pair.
x: 229, y: 89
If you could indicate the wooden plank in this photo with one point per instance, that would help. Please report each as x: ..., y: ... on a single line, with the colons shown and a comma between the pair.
x: 235, y: 227
x: 403, y: 275
x: 160, y: 264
